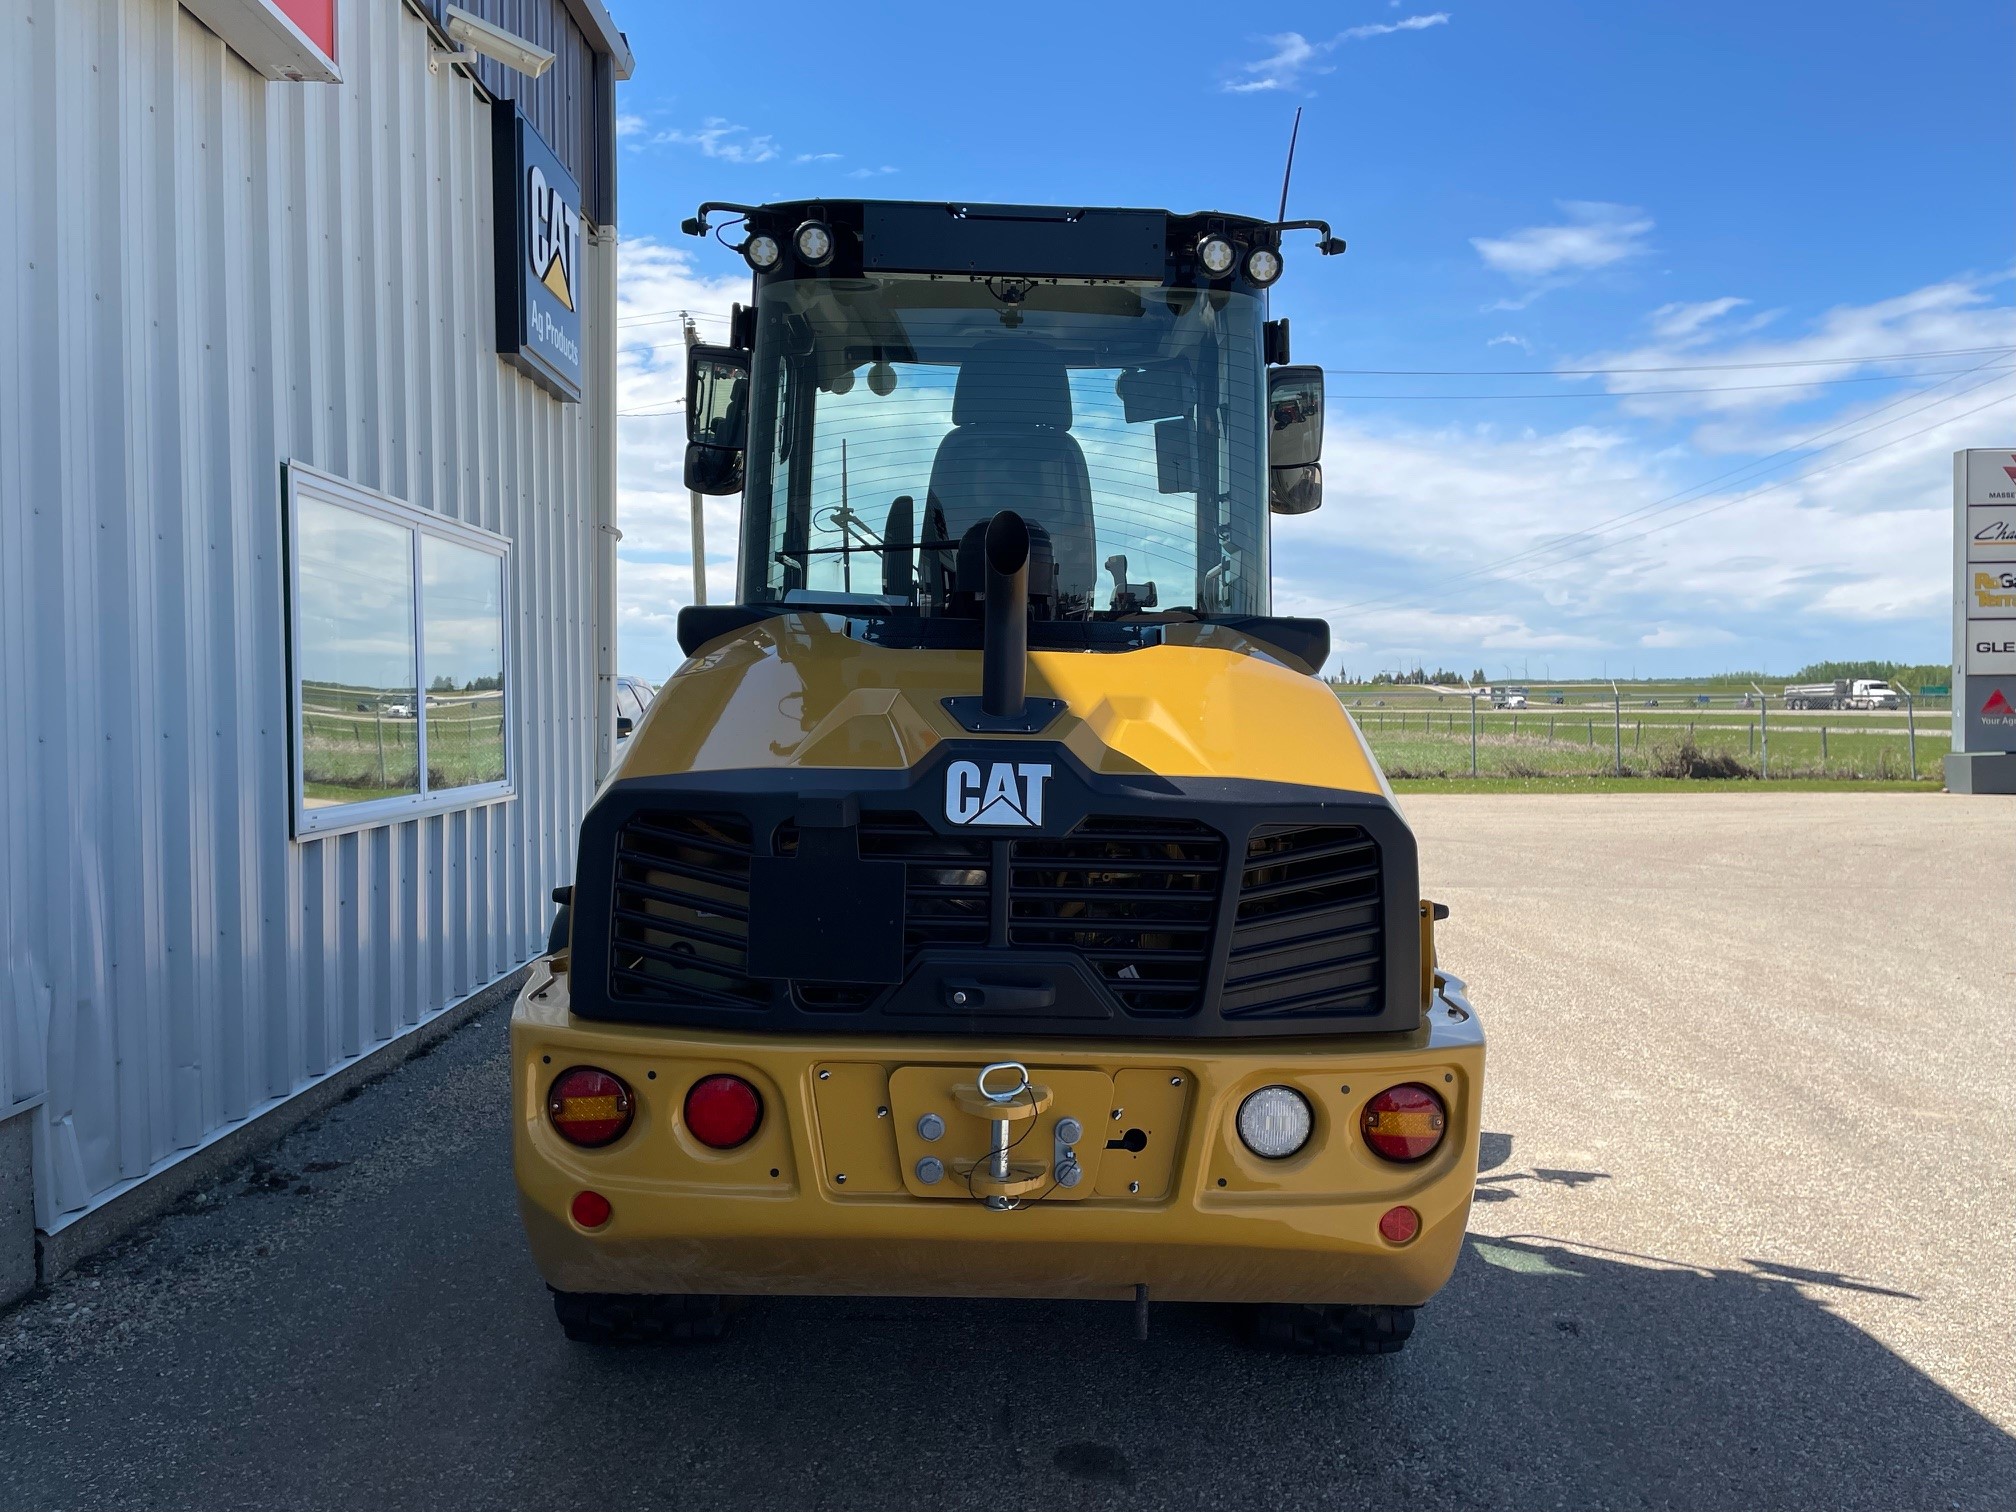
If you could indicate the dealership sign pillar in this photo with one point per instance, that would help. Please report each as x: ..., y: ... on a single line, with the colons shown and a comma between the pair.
x: 1984, y: 623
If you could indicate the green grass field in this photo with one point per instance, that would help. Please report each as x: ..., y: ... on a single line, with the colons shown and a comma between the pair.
x: 350, y: 754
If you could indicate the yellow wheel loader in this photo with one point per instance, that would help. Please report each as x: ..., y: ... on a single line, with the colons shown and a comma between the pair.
x: 997, y: 902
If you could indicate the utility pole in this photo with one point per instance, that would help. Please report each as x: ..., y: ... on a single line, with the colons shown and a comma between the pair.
x: 693, y: 495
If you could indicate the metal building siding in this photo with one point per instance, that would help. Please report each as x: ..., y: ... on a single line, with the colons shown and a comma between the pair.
x: 210, y: 274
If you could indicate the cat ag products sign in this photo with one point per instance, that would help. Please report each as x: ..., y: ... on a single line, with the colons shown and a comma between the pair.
x: 539, y: 239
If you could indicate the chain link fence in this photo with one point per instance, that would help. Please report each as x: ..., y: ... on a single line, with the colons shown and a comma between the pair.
x: 1429, y: 732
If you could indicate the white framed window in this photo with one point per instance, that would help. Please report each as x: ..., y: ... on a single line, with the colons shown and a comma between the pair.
x: 398, y: 663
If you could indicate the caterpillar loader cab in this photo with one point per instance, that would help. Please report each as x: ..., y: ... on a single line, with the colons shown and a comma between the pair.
x: 997, y: 902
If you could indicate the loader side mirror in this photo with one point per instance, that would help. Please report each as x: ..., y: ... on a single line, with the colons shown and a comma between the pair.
x: 1294, y: 439
x: 1295, y: 490
x: 1294, y: 416
x: 717, y: 418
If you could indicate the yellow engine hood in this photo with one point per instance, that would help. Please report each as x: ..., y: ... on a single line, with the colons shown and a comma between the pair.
x: 797, y: 691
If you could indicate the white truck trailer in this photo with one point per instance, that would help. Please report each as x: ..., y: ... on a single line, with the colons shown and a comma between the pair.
x: 1844, y: 693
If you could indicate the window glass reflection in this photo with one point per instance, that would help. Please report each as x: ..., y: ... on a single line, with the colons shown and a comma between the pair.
x: 462, y: 609
x: 360, y: 706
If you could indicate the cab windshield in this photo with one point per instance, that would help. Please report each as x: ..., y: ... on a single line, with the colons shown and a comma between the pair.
x: 891, y: 415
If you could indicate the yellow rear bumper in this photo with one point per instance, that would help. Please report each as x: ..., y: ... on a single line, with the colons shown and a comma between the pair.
x: 826, y: 1197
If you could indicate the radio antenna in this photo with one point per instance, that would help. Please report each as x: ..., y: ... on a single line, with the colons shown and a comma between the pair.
x: 1286, y: 173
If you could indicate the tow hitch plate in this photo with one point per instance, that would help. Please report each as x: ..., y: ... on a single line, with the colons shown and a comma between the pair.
x: 949, y: 1118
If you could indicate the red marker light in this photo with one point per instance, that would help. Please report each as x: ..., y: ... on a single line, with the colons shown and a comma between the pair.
x: 1398, y: 1225
x: 590, y: 1209
x: 723, y: 1111
x: 590, y: 1107
x: 1405, y: 1122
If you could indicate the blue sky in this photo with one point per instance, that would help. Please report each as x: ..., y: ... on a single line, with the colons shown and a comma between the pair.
x: 1721, y: 190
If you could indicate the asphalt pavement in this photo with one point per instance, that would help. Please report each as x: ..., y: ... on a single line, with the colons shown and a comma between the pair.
x: 1742, y: 1240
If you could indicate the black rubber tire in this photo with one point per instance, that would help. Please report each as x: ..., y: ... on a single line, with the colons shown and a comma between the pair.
x: 1332, y: 1328
x: 620, y: 1318
x: 562, y: 930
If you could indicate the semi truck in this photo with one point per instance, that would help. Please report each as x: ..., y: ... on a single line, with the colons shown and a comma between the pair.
x: 1844, y: 693
x: 997, y: 902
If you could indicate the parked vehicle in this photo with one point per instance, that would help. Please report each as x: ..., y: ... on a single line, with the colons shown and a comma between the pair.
x: 633, y: 697
x: 1508, y: 698
x: 881, y: 976
x: 1844, y: 693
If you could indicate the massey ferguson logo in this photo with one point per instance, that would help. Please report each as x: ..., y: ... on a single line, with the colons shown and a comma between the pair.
x: 1008, y: 793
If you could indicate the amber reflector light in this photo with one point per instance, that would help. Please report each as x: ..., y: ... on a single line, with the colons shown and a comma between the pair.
x: 589, y: 1107
x: 1405, y: 1122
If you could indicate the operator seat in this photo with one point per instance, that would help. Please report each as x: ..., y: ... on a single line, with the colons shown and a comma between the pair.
x: 1010, y: 447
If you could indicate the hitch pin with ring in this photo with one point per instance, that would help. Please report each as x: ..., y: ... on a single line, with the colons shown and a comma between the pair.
x: 997, y: 1149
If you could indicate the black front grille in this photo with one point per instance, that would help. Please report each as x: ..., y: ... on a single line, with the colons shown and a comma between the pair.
x: 1308, y: 936
x: 1136, y: 897
x: 948, y: 882
x: 947, y: 894
x: 1169, y: 907
x: 679, y: 929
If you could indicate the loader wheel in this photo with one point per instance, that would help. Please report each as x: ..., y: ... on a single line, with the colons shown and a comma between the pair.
x: 1332, y: 1328
x: 621, y: 1318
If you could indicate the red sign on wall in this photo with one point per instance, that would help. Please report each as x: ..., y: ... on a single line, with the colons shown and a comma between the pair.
x: 283, y: 39
x: 317, y: 20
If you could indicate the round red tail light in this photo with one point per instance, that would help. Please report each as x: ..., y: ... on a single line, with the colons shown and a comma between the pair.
x: 723, y: 1111
x: 1398, y: 1225
x: 590, y: 1107
x: 590, y: 1209
x: 1405, y: 1122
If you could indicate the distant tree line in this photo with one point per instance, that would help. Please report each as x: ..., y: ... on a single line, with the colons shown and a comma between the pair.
x: 446, y: 684
x: 1418, y: 676
x: 1912, y: 675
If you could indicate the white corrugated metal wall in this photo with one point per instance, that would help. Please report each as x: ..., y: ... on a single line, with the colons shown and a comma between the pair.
x: 210, y: 274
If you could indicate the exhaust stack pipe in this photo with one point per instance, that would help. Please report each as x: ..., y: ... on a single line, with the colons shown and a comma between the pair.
x: 1004, y: 667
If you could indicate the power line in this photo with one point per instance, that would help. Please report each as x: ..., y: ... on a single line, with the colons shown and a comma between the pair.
x: 658, y: 315
x: 1726, y: 388
x: 1699, y: 367
x: 670, y: 409
x: 1681, y: 498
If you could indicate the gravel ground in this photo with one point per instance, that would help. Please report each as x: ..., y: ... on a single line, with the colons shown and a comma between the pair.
x: 1742, y: 1241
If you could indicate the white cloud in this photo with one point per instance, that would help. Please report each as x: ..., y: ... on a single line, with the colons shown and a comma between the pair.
x: 1506, y: 338
x: 862, y: 173
x: 1765, y: 376
x: 817, y: 157
x: 720, y: 138
x: 1594, y: 235
x: 1609, y: 540
x: 1282, y: 69
x: 628, y: 125
x: 1294, y: 57
x: 1412, y: 23
x: 1679, y: 322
